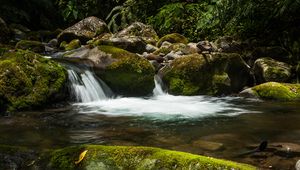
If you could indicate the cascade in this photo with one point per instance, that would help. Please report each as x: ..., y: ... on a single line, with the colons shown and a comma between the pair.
x: 158, y: 90
x: 85, y: 86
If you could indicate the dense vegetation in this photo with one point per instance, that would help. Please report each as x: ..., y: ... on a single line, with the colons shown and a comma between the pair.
x: 270, y: 22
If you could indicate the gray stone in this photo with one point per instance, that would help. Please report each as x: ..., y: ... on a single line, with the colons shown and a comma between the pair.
x: 268, y: 69
x: 84, y: 30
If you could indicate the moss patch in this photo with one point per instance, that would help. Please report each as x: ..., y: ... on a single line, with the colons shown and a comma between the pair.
x: 277, y: 91
x: 140, y: 158
x: 34, y: 46
x: 189, y: 75
x: 27, y: 80
x: 172, y: 38
x: 72, y: 45
x: 129, y: 74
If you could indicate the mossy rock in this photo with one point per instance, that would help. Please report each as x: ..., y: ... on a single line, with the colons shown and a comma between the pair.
x: 172, y: 38
x: 100, y: 157
x: 274, y: 91
x: 27, y: 80
x: 127, y: 73
x: 189, y: 75
x: 71, y: 45
x: 268, y: 69
x: 210, y: 74
x: 34, y: 46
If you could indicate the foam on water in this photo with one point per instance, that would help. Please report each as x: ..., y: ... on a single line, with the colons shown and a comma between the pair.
x: 163, y: 106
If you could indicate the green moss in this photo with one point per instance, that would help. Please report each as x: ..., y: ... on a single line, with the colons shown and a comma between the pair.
x: 34, y: 46
x: 277, y: 91
x: 129, y: 74
x: 189, y: 75
x: 27, y: 80
x: 140, y: 158
x: 172, y: 38
x: 72, y: 45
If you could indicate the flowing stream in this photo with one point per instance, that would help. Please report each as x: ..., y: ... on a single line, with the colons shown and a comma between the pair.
x: 162, y: 120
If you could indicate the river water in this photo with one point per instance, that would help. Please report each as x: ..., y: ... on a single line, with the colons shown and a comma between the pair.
x: 221, y: 127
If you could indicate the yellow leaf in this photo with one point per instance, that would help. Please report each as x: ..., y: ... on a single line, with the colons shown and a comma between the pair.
x: 81, y: 157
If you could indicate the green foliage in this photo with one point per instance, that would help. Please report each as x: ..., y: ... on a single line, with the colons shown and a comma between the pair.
x: 76, y: 9
x: 194, y: 20
x: 120, y: 16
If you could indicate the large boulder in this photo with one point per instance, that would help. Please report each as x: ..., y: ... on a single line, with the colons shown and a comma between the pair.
x: 99, y: 157
x: 138, y: 29
x: 84, y: 30
x: 4, y: 32
x: 124, y: 72
x: 212, y: 74
x: 274, y: 91
x: 27, y: 80
x: 34, y: 46
x: 268, y: 69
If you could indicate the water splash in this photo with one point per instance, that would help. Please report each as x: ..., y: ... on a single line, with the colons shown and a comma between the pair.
x: 85, y: 86
x: 158, y: 90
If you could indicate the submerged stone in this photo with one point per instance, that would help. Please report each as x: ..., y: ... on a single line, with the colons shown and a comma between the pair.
x: 141, y: 158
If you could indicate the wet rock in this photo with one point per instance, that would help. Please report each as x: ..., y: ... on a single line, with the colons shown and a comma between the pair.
x: 172, y: 38
x: 286, y: 149
x: 208, y: 145
x: 34, y: 46
x: 268, y: 69
x: 274, y: 91
x: 84, y: 30
x: 138, y: 29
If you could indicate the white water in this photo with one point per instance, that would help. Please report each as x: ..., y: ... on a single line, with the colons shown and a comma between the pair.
x: 85, y: 86
x: 159, y: 106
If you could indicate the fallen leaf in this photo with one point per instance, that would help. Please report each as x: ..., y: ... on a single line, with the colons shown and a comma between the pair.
x: 81, y: 157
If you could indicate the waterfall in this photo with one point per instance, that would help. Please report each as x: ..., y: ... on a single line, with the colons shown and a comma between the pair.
x: 85, y: 86
x: 158, y: 90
